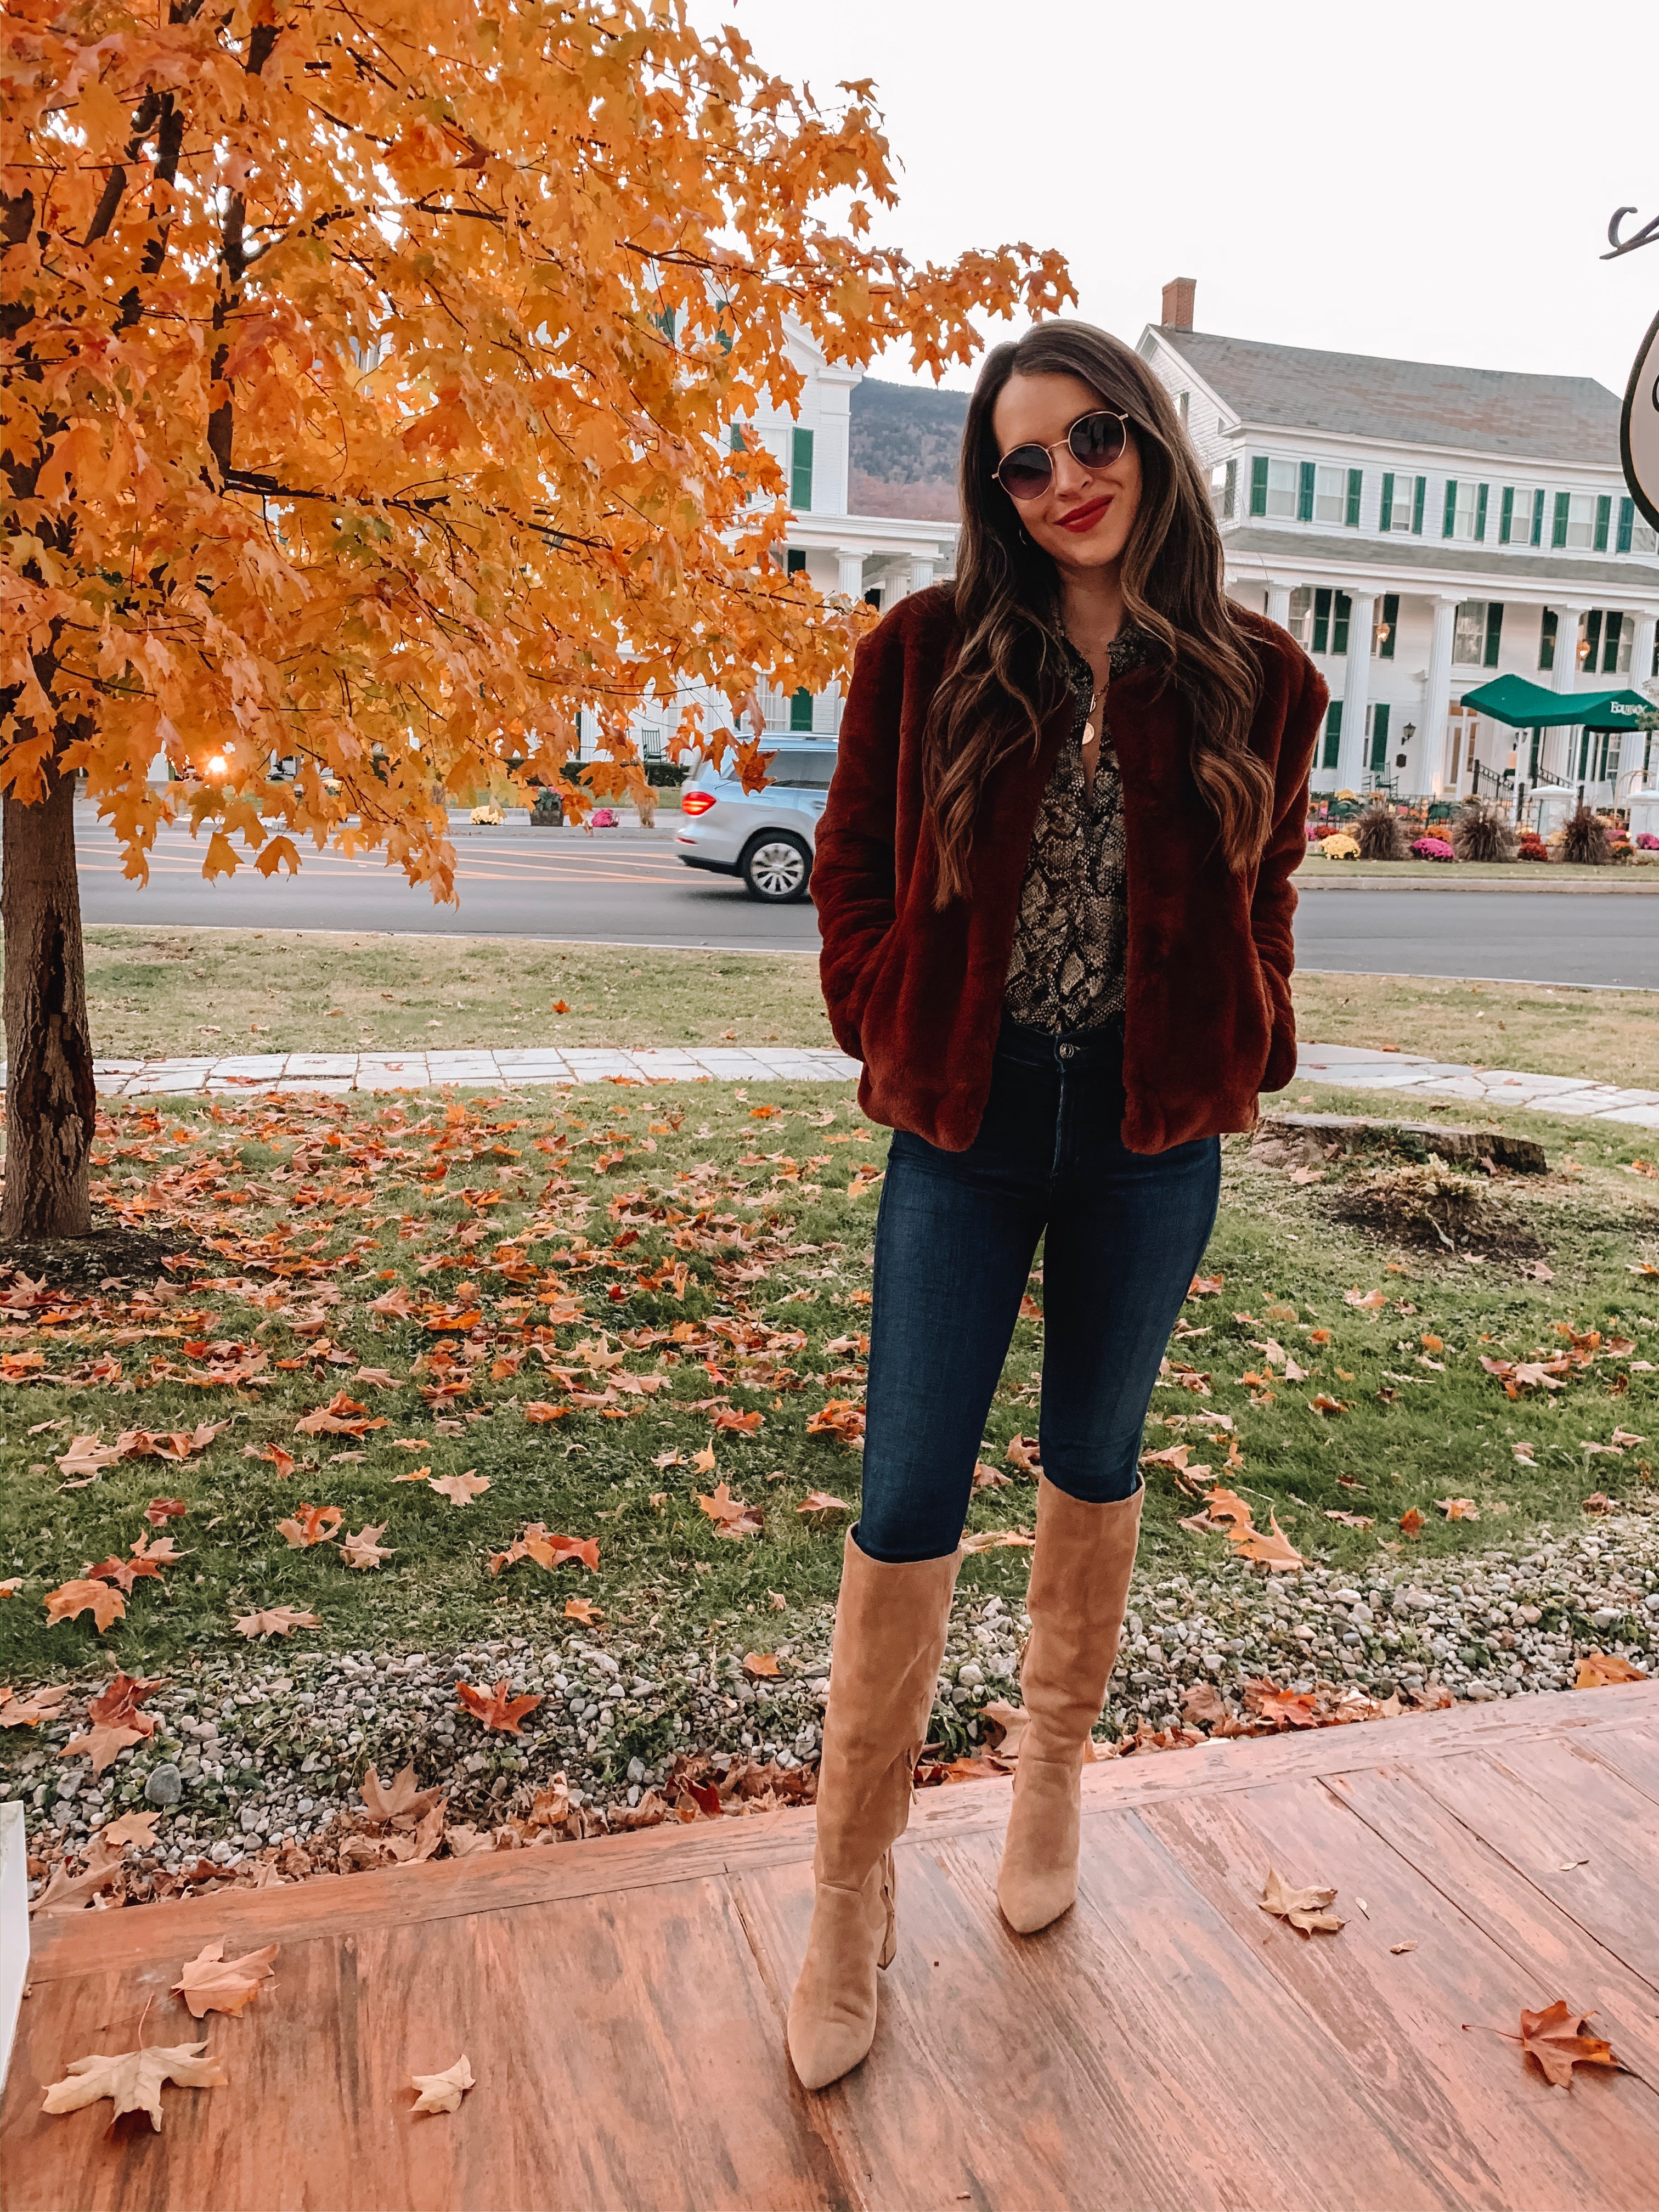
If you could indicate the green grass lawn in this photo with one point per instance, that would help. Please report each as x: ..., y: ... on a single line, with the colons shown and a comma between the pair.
x: 450, y: 1263
x: 159, y: 992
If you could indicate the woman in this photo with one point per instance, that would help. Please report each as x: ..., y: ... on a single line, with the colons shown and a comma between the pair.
x: 1054, y: 884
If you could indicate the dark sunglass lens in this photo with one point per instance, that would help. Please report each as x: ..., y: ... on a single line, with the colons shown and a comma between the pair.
x: 1096, y: 441
x: 1025, y: 472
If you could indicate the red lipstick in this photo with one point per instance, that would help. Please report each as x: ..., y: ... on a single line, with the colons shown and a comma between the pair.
x: 1085, y: 518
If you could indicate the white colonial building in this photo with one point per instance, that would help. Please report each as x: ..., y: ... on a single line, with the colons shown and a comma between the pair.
x: 1421, y: 530
x: 879, y: 558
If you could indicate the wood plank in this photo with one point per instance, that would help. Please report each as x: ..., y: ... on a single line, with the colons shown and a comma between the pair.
x: 1551, y: 1811
x: 69, y: 1944
x: 1632, y: 1752
x: 1117, y: 2059
x: 627, y: 2053
x: 1553, y: 1951
x: 1491, y: 2130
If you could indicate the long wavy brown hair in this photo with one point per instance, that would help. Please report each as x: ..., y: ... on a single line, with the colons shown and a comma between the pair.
x: 1009, y: 671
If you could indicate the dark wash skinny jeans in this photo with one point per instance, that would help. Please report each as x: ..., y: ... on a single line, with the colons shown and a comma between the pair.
x: 955, y: 1240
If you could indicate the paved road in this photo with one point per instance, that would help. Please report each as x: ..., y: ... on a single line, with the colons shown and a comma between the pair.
x: 630, y: 889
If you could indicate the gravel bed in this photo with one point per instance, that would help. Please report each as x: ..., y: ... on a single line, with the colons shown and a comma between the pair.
x: 270, y: 1746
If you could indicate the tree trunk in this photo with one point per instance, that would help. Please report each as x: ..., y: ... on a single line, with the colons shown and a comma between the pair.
x: 52, y: 1101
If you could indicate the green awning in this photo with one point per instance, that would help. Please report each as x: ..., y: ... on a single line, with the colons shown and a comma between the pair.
x: 1526, y: 706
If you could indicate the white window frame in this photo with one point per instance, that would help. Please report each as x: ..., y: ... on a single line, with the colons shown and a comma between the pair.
x: 1470, y: 620
x: 1284, y: 486
x: 1466, y: 510
x: 1523, y: 498
x: 1330, y: 503
x: 1581, y: 522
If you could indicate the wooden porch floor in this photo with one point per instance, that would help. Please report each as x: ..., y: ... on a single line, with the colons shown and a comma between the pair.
x: 1166, y: 2045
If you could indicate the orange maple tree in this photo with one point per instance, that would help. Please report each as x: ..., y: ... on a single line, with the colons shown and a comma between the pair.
x: 372, y: 374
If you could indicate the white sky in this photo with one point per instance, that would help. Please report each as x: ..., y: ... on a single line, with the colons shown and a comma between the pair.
x: 1428, y: 181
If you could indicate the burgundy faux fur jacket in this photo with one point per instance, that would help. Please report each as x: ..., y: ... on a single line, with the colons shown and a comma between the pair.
x: 915, y: 992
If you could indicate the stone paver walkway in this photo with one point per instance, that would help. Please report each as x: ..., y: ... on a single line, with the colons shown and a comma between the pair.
x: 1354, y: 1067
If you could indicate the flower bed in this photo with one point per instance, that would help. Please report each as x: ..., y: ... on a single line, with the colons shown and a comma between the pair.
x: 1433, y: 849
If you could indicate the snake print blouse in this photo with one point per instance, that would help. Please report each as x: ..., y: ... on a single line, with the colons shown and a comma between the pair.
x: 1067, y: 971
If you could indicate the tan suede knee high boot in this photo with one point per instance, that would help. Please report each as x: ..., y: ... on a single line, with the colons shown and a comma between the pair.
x: 890, y: 1637
x: 1079, y: 1586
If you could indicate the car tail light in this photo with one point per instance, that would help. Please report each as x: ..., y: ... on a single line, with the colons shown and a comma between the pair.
x: 695, y: 802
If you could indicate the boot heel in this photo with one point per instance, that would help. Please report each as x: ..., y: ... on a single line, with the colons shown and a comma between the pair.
x: 889, y: 1898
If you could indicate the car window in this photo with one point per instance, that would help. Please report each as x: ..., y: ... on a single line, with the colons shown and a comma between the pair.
x: 794, y: 768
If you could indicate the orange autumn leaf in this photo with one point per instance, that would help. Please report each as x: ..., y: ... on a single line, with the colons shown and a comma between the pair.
x: 760, y: 1666
x: 1459, y: 1508
x: 583, y: 1610
x: 1597, y: 1668
x: 310, y: 1524
x: 73, y: 1598
x: 493, y: 1707
x: 731, y: 1516
x: 459, y: 1489
x: 1555, y: 2042
x: 276, y: 1620
x: 540, y: 1409
x: 819, y: 1505
x: 365, y: 1549
x: 211, y: 1983
x: 160, y: 1511
x: 133, y: 2080
x: 1412, y: 1522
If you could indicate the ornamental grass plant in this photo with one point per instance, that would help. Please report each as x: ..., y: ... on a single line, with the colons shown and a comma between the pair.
x: 1484, y: 832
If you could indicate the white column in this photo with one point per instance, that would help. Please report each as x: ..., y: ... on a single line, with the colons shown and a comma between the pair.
x: 1436, y: 696
x: 1356, y: 691
x: 1278, y: 603
x: 1564, y: 677
x: 1641, y: 651
x: 849, y: 577
x: 921, y: 572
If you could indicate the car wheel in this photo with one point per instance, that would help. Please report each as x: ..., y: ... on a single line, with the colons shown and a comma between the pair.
x: 776, y: 867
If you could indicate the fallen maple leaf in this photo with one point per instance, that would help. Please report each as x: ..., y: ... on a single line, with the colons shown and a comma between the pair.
x: 276, y: 1620
x: 211, y: 1983
x: 1367, y: 1301
x: 160, y: 1511
x: 1459, y: 1508
x: 133, y: 2078
x: 1205, y: 1287
x: 1023, y: 1456
x: 1305, y: 1909
x: 1272, y: 1548
x: 132, y: 1828
x: 459, y: 1489
x: 759, y: 1665
x: 278, y: 1456
x: 311, y: 1524
x: 176, y: 1444
x: 540, y: 1409
x: 442, y: 2092
x: 29, y: 1710
x: 1412, y: 1522
x: 1597, y: 1668
x: 72, y: 1599
x: 997, y: 1539
x: 731, y: 1516
x: 365, y: 1549
x: 405, y: 1799
x: 583, y: 1610
x: 820, y: 1505
x: 495, y: 1708
x: 1202, y: 1704
x: 116, y: 1721
x: 1350, y: 1520
x: 86, y: 1455
x: 1554, y: 2039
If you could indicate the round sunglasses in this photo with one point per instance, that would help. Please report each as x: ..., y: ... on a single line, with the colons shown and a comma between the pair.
x: 1093, y: 440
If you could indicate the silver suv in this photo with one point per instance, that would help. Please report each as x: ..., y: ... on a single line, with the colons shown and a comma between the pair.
x: 765, y: 837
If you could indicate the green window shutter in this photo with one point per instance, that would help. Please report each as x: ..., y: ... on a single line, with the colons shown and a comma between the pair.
x: 1420, y: 498
x: 1355, y: 486
x: 1304, y: 492
x: 1385, y: 511
x: 1626, y: 525
x: 795, y: 561
x: 1258, y: 484
x: 1592, y: 639
x: 1494, y: 631
x: 800, y: 473
x: 1610, y: 644
x: 1480, y: 513
x: 1379, y: 736
x: 1558, y: 535
x: 1321, y: 621
x: 801, y: 711
x: 1537, y: 534
x: 1451, y: 515
x: 1230, y: 495
x: 1506, y: 514
x: 1339, y: 612
x: 1390, y: 624
x: 737, y: 438
x: 1603, y: 514
x: 1332, y: 733
x: 1547, y: 640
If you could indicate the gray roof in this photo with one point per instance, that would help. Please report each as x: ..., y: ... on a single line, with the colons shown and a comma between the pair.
x: 1416, y: 402
x: 1529, y: 576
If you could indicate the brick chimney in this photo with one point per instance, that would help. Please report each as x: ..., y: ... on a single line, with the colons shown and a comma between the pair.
x: 1178, y: 295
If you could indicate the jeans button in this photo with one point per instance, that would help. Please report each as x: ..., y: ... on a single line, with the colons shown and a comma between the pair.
x: 1066, y: 1050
